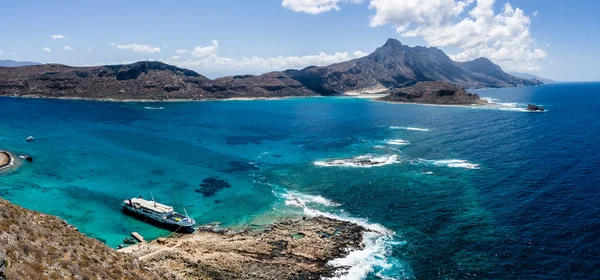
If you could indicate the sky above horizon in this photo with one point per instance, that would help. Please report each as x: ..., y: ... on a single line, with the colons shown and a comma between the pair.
x: 552, y: 39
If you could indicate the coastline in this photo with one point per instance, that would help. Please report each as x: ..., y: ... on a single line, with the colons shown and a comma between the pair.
x: 289, y: 249
x: 6, y: 160
x: 372, y: 97
x: 172, y: 100
x: 435, y: 105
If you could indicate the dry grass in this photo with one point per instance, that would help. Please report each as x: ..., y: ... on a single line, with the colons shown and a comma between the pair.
x: 39, y: 246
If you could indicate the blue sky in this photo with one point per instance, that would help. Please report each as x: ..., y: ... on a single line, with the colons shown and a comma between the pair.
x: 553, y: 39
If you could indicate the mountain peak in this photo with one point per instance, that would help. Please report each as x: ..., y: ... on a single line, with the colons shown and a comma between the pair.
x: 392, y: 42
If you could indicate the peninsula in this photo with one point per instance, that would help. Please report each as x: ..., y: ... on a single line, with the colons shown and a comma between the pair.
x: 438, y: 93
x: 389, y: 67
x: 40, y: 246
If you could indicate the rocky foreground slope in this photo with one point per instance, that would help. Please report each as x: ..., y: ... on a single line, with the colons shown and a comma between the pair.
x: 390, y: 66
x: 39, y: 246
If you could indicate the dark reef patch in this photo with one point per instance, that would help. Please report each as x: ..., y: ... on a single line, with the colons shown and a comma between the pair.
x: 239, y: 166
x: 212, y: 185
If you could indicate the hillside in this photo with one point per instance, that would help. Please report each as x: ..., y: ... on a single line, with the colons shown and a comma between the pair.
x: 39, y: 246
x: 392, y: 65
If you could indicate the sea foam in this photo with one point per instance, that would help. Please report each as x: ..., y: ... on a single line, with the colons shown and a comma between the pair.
x: 495, y: 104
x: 409, y: 128
x: 456, y: 163
x: 364, y: 161
x: 398, y: 142
x: 153, y: 108
x: 377, y: 240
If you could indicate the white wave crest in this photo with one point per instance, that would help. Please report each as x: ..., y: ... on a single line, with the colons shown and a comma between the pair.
x: 456, y: 163
x: 398, y: 142
x: 409, y: 128
x: 302, y: 200
x: 358, y: 263
x: 153, y: 108
x: 364, y: 161
x: 495, y: 104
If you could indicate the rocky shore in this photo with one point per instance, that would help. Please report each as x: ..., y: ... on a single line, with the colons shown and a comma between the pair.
x: 294, y: 249
x: 40, y: 246
x: 437, y: 93
x: 6, y: 159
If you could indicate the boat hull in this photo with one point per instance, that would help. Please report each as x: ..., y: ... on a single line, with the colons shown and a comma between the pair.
x: 156, y: 221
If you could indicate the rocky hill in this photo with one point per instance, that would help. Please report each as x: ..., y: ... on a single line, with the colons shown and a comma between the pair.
x: 433, y: 93
x: 39, y: 246
x: 390, y: 66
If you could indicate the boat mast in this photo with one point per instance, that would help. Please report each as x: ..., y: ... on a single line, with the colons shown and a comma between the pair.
x: 186, y: 214
x: 153, y: 199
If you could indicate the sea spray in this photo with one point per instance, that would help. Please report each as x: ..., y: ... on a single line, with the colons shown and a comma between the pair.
x: 454, y: 163
x: 377, y: 240
x: 409, y: 128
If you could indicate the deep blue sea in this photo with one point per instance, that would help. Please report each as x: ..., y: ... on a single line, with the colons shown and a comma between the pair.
x: 490, y: 192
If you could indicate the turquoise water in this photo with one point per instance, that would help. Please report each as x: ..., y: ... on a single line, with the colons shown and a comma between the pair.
x: 461, y: 192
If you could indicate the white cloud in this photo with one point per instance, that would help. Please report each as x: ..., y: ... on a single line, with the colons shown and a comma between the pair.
x: 206, y: 59
x: 46, y: 49
x: 138, y: 48
x: 1, y: 52
x: 54, y: 37
x: 113, y: 44
x: 67, y: 48
x: 201, y: 51
x: 360, y: 54
x: 503, y: 37
x: 314, y: 6
x: 89, y: 48
x: 535, y: 13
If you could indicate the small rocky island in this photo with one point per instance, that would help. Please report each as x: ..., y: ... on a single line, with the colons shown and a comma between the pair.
x: 438, y: 93
x: 533, y: 107
x: 5, y: 159
x: 39, y: 246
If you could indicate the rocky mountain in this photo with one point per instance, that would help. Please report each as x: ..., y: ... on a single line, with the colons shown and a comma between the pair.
x: 13, y: 63
x: 532, y: 77
x: 433, y: 93
x: 392, y: 65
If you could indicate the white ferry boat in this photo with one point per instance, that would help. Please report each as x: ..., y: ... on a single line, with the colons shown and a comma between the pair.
x: 160, y: 213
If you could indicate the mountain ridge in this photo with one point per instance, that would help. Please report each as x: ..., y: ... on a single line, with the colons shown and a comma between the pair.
x: 393, y: 65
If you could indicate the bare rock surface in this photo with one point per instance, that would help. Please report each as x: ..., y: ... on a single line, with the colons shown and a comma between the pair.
x: 295, y: 249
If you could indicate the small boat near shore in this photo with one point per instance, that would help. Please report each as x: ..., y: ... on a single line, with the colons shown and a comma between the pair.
x: 29, y: 139
x: 159, y: 213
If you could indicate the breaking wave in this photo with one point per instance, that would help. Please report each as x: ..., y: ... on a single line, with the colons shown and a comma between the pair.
x: 377, y: 240
x: 495, y: 104
x: 398, y: 142
x: 153, y: 108
x: 409, y: 128
x: 365, y: 161
x: 454, y: 163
